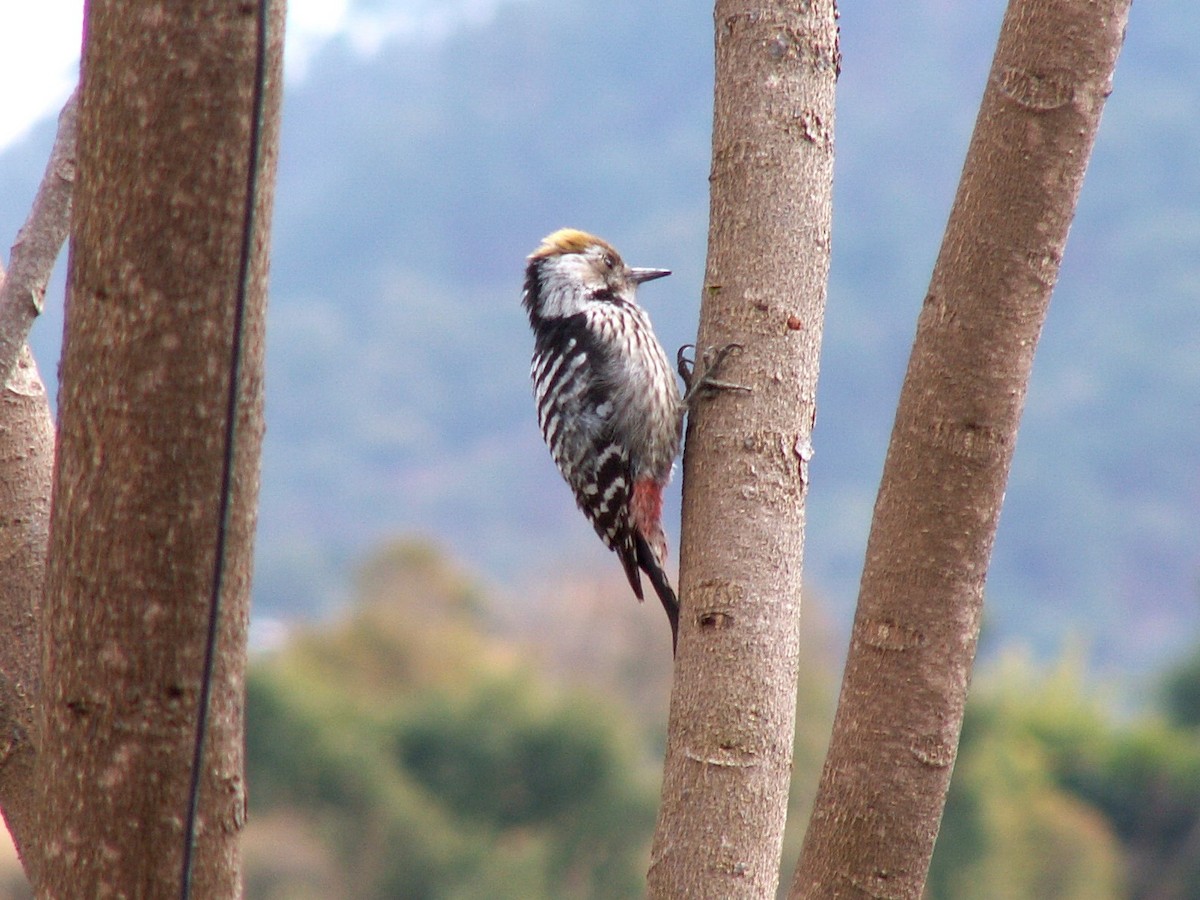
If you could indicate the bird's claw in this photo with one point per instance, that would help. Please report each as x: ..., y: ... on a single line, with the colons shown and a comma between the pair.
x: 706, y: 383
x: 685, y: 366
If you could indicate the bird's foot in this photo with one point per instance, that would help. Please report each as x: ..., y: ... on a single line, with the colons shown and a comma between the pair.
x: 706, y: 383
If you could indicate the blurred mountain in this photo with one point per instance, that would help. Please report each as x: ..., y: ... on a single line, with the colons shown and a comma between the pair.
x: 413, y: 181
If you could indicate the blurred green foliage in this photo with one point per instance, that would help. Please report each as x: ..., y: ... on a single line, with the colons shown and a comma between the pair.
x: 1181, y: 692
x: 430, y: 745
x: 433, y: 762
x: 1055, y: 796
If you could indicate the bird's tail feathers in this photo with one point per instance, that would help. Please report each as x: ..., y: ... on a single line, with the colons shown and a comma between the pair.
x: 649, y: 561
x: 630, y: 562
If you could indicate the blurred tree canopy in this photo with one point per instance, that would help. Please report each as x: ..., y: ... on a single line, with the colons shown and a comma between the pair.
x: 1181, y: 692
x: 432, y: 762
x: 1055, y: 796
x: 435, y: 742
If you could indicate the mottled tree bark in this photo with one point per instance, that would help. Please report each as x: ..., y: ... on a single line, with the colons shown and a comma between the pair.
x: 732, y: 720
x: 895, y: 738
x: 165, y: 123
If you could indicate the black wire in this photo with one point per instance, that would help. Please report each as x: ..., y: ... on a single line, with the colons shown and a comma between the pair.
x: 231, y: 409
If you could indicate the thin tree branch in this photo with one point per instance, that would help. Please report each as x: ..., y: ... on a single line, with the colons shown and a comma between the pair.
x: 38, y: 242
x: 895, y: 739
x: 26, y: 462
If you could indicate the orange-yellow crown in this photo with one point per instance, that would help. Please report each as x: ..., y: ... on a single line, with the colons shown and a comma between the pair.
x: 568, y: 240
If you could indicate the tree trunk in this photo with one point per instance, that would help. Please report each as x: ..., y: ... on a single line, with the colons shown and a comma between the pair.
x: 165, y: 123
x: 728, y: 764
x: 895, y: 737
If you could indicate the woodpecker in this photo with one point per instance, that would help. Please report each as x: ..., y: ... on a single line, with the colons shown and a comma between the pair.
x: 607, y: 401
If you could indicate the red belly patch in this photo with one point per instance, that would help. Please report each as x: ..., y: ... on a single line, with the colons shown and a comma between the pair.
x: 645, y: 508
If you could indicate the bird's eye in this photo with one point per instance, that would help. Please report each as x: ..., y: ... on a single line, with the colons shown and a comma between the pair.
x: 610, y: 261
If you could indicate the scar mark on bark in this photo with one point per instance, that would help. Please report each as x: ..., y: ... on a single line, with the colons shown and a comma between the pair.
x: 888, y: 635
x: 1039, y: 91
x: 933, y: 751
x: 725, y: 757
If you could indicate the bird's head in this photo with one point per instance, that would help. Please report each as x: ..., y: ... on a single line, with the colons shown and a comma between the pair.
x: 572, y: 269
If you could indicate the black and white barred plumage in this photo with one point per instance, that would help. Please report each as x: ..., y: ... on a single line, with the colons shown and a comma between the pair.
x: 607, y: 401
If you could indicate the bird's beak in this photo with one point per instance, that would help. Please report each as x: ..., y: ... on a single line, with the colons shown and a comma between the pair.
x: 637, y: 276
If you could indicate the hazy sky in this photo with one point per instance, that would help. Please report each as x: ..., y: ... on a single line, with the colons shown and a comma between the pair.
x: 39, y: 43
